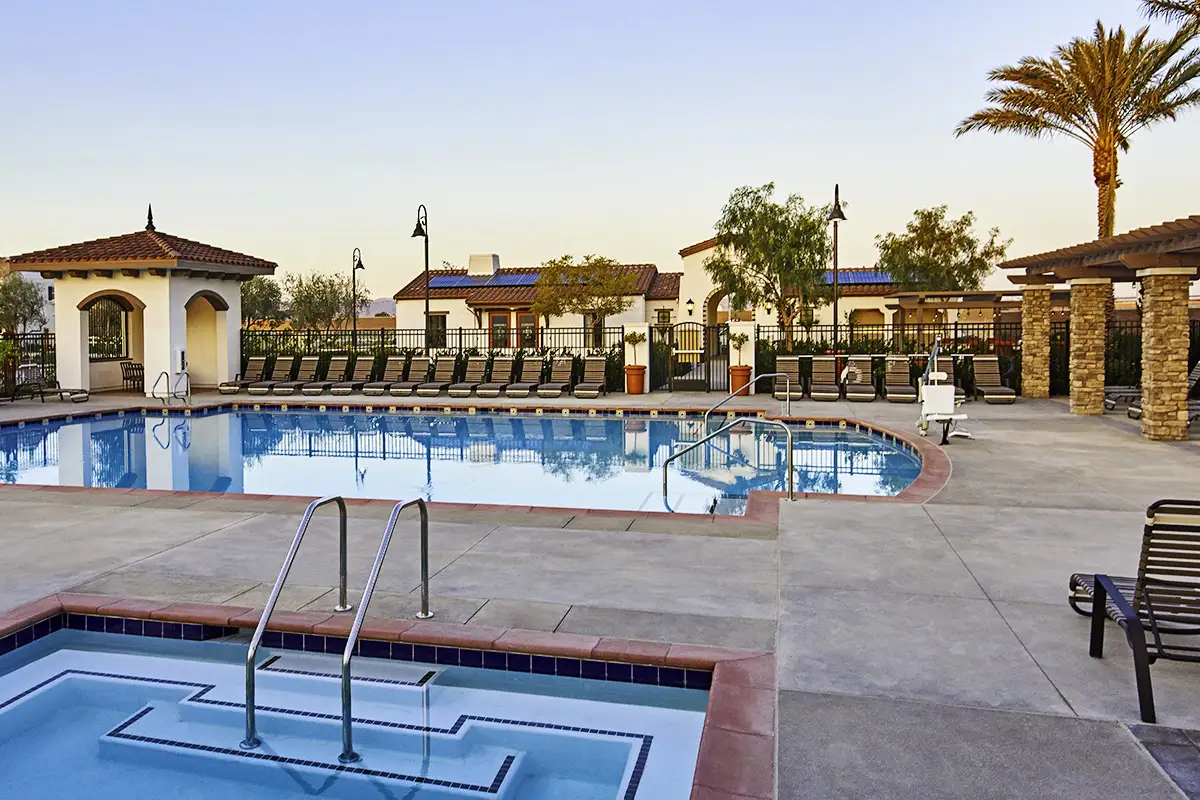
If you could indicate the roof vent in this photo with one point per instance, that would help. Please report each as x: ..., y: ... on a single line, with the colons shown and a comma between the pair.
x: 483, y: 264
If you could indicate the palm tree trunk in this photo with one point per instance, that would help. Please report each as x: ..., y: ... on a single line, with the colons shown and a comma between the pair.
x: 1104, y: 173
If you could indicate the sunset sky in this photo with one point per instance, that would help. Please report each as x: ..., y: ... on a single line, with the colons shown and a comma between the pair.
x: 298, y: 131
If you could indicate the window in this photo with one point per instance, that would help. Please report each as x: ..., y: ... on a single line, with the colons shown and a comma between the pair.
x: 437, y: 331
x: 498, y: 322
x: 663, y: 317
x: 526, y: 330
x: 108, y: 330
x: 50, y: 293
x: 593, y: 331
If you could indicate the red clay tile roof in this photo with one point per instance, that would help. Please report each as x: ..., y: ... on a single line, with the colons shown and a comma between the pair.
x: 502, y: 295
x: 475, y: 295
x: 665, y: 286
x: 142, y: 246
x: 698, y: 247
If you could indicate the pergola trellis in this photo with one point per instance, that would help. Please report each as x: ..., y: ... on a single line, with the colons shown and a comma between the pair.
x: 1165, y: 259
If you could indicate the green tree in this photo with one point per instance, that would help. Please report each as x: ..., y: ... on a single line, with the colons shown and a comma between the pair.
x: 262, y: 301
x: 22, y: 304
x: 770, y: 252
x: 1098, y: 91
x: 939, y: 254
x: 1183, y: 11
x: 596, y: 286
x: 322, y: 301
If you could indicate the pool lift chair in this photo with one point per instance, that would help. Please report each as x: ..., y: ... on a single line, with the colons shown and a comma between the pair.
x: 938, y: 401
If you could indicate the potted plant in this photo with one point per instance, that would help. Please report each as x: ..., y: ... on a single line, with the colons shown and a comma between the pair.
x: 635, y: 374
x: 739, y: 375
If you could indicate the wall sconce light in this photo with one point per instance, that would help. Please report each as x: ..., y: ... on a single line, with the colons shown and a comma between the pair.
x: 690, y: 305
x: 770, y: 308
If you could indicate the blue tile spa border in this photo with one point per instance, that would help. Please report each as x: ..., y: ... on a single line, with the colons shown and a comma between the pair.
x: 503, y: 661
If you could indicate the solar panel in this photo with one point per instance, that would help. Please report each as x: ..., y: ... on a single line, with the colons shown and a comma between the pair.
x: 513, y: 279
x: 450, y: 281
x: 848, y: 277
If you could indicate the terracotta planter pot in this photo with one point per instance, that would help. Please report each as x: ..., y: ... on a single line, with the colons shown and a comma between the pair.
x: 739, y: 379
x: 635, y: 379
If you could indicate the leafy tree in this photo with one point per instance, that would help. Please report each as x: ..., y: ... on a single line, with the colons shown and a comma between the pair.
x: 770, y: 252
x: 262, y: 301
x: 322, y: 301
x: 22, y: 304
x: 597, y: 287
x: 1099, y: 92
x: 939, y: 254
x: 1183, y: 11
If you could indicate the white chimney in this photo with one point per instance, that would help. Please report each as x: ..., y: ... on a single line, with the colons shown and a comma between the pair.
x: 483, y: 264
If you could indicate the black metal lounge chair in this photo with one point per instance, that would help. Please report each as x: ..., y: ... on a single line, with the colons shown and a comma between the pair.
x: 281, y: 371
x: 1135, y: 406
x: 418, y: 373
x: 860, y: 383
x: 946, y: 364
x: 987, y: 381
x: 363, y: 367
x: 502, y: 370
x: 561, y: 370
x: 790, y: 366
x: 443, y: 376
x: 255, y: 367
x: 527, y: 382
x: 393, y: 372
x: 897, y: 381
x: 593, y: 383
x: 824, y: 384
x: 335, y: 371
x: 472, y: 376
x: 1160, y: 607
x: 306, y: 372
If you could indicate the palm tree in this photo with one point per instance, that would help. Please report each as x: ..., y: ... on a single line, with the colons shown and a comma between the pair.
x: 1180, y: 10
x: 1098, y: 91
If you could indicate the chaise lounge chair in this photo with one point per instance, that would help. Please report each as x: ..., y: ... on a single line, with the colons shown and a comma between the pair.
x: 307, y: 372
x: 860, y: 383
x: 255, y: 367
x: 824, y: 384
x: 1157, y: 608
x: 790, y: 366
x: 897, y: 381
x: 418, y: 373
x: 987, y: 381
x: 527, y: 382
x: 502, y: 369
x: 443, y: 376
x: 334, y: 372
x: 281, y: 371
x: 363, y: 367
x: 561, y: 370
x: 1135, y: 407
x: 946, y: 364
x: 593, y: 383
x: 393, y: 372
x: 472, y: 377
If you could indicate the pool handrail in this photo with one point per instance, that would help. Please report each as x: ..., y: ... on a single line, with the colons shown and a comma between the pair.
x: 791, y: 478
x: 348, y: 756
x: 787, y: 387
x: 252, y: 741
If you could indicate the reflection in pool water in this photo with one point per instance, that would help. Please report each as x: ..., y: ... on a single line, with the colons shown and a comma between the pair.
x: 577, y: 462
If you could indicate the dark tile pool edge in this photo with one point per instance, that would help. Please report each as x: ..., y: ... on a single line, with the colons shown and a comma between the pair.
x: 737, y: 746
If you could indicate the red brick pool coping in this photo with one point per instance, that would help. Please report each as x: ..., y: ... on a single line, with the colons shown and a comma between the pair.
x: 737, y: 745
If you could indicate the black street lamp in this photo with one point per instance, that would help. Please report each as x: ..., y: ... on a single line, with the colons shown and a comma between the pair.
x: 422, y: 230
x: 835, y: 216
x: 356, y: 264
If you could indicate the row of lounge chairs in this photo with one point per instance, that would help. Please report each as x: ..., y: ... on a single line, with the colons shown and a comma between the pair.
x: 1116, y: 395
x: 419, y: 376
x: 859, y: 384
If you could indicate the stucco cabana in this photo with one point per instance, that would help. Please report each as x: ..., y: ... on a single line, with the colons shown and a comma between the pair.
x: 148, y: 297
x: 1165, y: 259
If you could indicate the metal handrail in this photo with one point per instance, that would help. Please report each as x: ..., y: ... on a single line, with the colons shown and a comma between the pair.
x: 186, y: 394
x: 348, y: 755
x: 173, y: 393
x: 787, y: 386
x: 252, y: 741
x: 791, y: 478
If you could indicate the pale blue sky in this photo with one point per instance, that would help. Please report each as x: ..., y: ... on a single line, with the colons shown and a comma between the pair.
x: 298, y: 130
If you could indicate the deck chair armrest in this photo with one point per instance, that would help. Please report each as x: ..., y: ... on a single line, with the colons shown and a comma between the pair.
x: 1124, y: 609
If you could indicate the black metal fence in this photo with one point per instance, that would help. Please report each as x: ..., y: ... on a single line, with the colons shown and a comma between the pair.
x: 32, y: 359
x: 1122, y: 354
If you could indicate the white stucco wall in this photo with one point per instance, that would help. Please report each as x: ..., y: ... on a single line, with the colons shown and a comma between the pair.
x: 410, y: 314
x: 695, y: 285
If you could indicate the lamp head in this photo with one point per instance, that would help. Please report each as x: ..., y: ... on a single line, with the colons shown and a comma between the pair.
x: 836, y: 214
x: 419, y: 231
x: 690, y: 305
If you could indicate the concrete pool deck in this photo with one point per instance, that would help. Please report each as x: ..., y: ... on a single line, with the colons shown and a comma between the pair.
x: 924, y: 650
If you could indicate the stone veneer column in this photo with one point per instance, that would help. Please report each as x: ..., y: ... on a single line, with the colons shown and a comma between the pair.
x: 1035, y: 341
x: 1089, y: 332
x: 1165, y: 352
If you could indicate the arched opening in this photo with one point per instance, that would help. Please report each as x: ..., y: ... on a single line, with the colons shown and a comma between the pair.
x: 718, y: 310
x: 205, y: 312
x: 113, y: 323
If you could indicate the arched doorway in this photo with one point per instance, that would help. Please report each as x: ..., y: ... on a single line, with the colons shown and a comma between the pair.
x: 111, y: 328
x: 205, y: 326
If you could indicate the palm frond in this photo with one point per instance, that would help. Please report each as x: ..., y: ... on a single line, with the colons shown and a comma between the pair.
x: 1175, y: 10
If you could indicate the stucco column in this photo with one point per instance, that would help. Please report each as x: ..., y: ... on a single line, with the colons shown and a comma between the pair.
x: 72, y: 363
x: 1035, y: 341
x: 1165, y: 337
x: 1089, y: 298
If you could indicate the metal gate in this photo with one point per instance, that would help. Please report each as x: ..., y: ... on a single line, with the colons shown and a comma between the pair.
x: 1060, y: 358
x: 689, y: 357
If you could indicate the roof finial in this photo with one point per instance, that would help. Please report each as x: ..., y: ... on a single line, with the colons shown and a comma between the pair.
x: 149, y: 217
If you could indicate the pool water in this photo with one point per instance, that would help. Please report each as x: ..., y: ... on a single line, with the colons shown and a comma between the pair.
x: 164, y: 719
x: 523, y: 460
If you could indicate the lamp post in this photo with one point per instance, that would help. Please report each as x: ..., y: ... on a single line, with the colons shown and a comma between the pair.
x: 422, y: 230
x: 356, y: 263
x: 835, y: 216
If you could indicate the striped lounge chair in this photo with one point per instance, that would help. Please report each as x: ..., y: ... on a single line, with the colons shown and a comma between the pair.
x: 897, y: 381
x: 593, y: 383
x: 418, y: 373
x: 443, y: 376
x: 1159, y: 608
x: 946, y: 364
x: 307, y: 372
x: 393, y: 372
x: 363, y: 367
x: 334, y: 372
x: 860, y: 383
x: 527, y: 382
x: 502, y: 369
x: 987, y: 381
x: 280, y: 372
x: 824, y: 385
x: 472, y: 377
x: 560, y: 378
x: 790, y: 366
x: 255, y: 367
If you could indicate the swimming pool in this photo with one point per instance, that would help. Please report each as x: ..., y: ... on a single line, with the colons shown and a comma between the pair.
x: 578, y: 461
x: 98, y: 716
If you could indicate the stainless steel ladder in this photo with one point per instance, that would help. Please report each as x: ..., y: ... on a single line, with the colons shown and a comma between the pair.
x: 791, y: 478
x: 173, y: 393
x: 252, y: 741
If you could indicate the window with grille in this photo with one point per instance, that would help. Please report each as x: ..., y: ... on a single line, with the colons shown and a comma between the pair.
x: 108, y: 330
